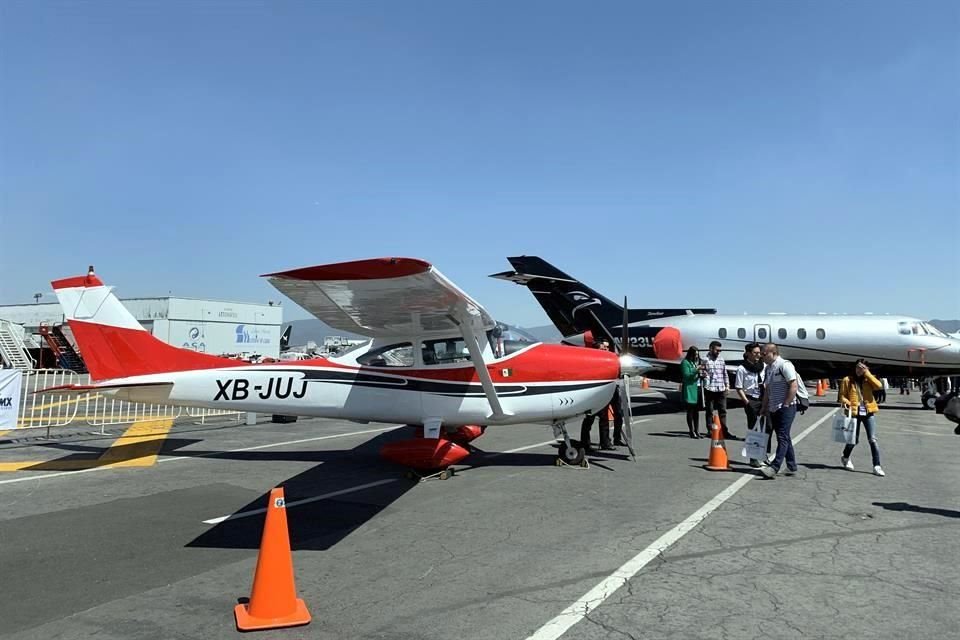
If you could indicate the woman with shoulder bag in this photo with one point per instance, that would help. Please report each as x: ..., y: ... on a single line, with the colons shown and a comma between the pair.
x: 857, y: 396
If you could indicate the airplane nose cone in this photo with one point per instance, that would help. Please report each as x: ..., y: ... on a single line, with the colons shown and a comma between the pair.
x: 631, y: 365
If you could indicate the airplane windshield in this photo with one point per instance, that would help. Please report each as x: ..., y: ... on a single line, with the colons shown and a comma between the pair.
x: 932, y: 330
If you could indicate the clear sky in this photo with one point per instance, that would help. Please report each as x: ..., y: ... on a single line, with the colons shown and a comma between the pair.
x: 752, y: 156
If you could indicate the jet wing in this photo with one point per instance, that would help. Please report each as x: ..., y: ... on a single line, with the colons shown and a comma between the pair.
x: 381, y: 297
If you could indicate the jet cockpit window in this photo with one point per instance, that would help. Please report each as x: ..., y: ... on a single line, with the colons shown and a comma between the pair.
x: 445, y: 351
x: 392, y: 355
x: 903, y: 328
x: 932, y: 330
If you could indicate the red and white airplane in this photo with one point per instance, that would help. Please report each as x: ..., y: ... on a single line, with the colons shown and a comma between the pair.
x: 436, y: 358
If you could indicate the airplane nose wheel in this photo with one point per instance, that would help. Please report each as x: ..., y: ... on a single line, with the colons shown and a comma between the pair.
x: 571, y: 455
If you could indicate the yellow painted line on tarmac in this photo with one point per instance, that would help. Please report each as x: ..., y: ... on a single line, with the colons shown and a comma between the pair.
x: 137, y: 447
x: 4, y: 432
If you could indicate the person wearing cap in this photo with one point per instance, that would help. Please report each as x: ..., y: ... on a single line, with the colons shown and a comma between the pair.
x: 714, y: 372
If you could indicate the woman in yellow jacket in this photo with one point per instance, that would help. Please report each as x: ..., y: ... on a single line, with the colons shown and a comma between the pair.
x: 856, y: 396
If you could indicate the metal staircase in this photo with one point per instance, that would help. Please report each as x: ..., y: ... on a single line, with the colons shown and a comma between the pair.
x: 67, y: 356
x: 12, y: 349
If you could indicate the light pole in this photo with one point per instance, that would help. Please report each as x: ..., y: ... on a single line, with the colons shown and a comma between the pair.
x: 36, y: 298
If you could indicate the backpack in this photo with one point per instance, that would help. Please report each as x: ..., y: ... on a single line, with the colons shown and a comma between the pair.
x: 803, y: 396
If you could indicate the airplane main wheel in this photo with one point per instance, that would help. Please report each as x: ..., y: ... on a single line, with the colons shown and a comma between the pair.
x: 571, y: 455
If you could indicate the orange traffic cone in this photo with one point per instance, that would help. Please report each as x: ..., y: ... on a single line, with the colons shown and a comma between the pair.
x: 274, y: 602
x: 718, y: 449
x: 645, y: 384
x: 820, y: 390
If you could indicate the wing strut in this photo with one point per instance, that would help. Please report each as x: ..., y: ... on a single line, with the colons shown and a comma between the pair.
x: 471, y: 326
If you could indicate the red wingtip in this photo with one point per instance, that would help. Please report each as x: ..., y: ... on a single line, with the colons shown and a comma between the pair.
x: 373, y: 269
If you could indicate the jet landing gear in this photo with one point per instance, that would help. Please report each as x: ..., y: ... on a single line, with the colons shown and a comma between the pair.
x: 569, y: 455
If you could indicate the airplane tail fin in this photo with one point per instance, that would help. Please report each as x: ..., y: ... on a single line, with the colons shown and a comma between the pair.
x: 574, y: 307
x: 111, y: 341
x: 285, y: 338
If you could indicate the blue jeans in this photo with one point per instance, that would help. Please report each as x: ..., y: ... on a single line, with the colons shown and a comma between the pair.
x: 782, y: 421
x: 869, y: 423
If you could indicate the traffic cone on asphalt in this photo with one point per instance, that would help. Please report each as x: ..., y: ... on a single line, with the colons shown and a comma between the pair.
x: 645, y: 384
x: 820, y: 390
x: 717, y: 461
x: 274, y: 603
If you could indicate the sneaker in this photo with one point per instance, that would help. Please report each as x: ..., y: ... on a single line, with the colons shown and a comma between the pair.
x: 768, y: 471
x: 847, y: 464
x: 755, y: 463
x: 878, y: 471
x: 790, y: 472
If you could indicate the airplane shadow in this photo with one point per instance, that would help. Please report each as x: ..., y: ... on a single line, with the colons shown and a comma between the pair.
x: 369, y: 485
x: 674, y: 434
x: 905, y: 506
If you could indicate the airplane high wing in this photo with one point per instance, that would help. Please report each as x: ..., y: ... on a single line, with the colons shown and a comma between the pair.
x: 393, y: 297
x: 383, y: 297
x: 435, y: 359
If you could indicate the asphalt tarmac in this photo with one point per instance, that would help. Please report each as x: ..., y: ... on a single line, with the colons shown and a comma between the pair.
x: 104, y: 537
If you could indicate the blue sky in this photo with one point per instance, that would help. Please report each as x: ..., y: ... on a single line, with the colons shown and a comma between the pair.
x: 752, y: 156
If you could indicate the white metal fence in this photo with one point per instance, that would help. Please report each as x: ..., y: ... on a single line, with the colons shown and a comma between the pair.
x: 60, y: 409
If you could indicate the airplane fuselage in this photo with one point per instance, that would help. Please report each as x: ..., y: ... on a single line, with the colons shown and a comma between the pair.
x: 819, y: 345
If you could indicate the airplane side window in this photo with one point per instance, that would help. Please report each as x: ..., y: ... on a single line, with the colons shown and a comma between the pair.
x: 782, y: 334
x: 903, y: 328
x: 821, y: 334
x: 762, y: 334
x: 741, y: 333
x: 445, y: 351
x: 392, y: 355
x: 802, y: 334
x: 722, y: 333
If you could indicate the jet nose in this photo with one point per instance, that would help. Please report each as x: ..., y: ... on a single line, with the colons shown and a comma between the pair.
x: 631, y: 365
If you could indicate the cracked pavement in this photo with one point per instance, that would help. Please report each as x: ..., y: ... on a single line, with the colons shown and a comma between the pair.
x: 499, y: 549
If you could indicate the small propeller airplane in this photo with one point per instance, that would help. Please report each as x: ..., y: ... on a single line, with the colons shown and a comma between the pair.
x: 435, y: 359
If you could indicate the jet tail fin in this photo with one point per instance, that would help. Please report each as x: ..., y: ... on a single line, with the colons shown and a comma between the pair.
x: 111, y: 341
x: 572, y: 306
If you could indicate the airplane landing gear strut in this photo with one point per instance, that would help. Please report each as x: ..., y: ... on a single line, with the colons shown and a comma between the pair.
x: 569, y: 454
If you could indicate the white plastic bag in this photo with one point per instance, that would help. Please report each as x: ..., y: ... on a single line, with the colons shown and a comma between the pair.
x: 755, y: 445
x: 844, y: 428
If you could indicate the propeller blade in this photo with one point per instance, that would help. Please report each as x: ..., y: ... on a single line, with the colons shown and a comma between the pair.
x: 625, y: 335
x: 626, y: 407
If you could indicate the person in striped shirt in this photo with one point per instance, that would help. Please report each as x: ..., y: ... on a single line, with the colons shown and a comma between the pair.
x: 779, y: 405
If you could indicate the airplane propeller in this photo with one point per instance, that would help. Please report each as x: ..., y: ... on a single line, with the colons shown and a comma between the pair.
x: 628, y: 362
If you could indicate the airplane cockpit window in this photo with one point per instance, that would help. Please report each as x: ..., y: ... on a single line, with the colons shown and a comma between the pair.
x: 392, y: 355
x: 505, y: 339
x: 932, y: 330
x: 445, y: 351
x: 903, y: 328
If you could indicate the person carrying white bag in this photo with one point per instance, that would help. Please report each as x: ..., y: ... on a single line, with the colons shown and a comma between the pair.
x: 856, y: 397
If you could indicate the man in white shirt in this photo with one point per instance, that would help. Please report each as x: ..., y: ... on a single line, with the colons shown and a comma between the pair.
x: 779, y: 405
x: 749, y: 386
x: 715, y: 388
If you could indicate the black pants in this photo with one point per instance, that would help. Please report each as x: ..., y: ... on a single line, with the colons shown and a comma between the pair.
x: 587, y: 424
x: 716, y: 401
x: 617, y: 418
x: 693, y: 417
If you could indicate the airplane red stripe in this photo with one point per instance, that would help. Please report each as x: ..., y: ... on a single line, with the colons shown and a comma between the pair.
x: 373, y: 269
x: 77, y: 281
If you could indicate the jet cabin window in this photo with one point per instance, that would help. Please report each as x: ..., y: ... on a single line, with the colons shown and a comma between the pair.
x: 722, y: 333
x: 392, y: 355
x: 741, y: 333
x: 782, y: 334
x: 821, y: 334
x: 802, y: 334
x: 445, y: 351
